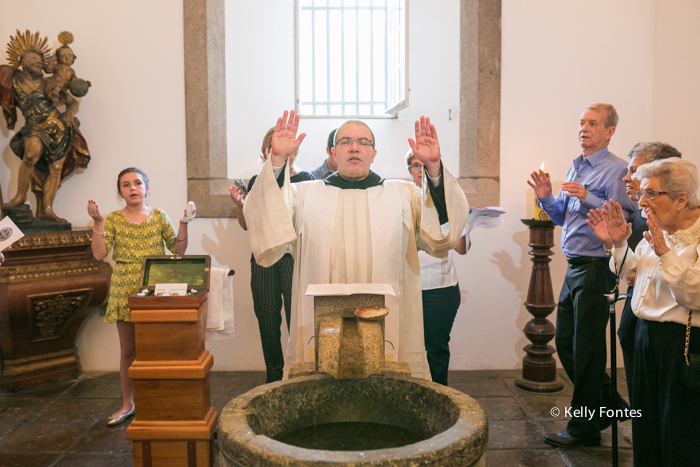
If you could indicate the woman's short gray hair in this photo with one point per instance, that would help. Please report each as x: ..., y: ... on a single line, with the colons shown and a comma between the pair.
x: 675, y: 175
x: 409, y: 158
x: 653, y: 151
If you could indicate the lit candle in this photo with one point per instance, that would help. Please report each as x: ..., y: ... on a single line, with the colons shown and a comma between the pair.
x: 540, y: 215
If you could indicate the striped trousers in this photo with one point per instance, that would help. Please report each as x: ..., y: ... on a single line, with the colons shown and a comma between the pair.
x: 272, y: 288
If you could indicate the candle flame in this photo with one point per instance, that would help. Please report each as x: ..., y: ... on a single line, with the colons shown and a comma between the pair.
x: 542, y: 167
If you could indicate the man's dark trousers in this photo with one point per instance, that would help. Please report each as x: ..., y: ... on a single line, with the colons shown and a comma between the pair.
x: 582, y: 317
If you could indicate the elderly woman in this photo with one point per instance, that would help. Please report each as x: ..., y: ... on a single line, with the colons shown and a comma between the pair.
x: 441, y: 295
x: 666, y: 424
x: 641, y: 153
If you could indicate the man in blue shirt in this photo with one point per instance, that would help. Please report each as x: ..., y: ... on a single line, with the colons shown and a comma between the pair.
x: 582, y: 312
x: 329, y: 166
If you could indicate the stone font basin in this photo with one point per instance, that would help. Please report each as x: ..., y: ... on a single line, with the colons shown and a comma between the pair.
x: 385, y: 420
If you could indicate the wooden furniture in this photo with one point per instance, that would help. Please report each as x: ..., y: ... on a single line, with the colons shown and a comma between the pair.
x: 539, y: 367
x: 49, y: 285
x: 174, y: 422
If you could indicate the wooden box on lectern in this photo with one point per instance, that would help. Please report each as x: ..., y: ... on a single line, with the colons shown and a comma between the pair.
x: 174, y: 422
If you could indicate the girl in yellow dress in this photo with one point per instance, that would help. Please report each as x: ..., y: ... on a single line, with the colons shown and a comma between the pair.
x: 136, y: 231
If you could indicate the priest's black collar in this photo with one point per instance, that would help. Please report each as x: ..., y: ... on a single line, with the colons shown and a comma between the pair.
x: 337, y: 181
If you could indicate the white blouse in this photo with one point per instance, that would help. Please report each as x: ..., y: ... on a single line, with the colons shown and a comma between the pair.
x: 667, y: 286
x: 437, y: 273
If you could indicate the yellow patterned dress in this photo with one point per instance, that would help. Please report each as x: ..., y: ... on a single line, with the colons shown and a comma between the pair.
x: 131, y: 243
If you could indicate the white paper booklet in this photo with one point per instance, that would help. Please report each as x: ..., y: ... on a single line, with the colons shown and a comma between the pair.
x: 349, y: 289
x: 486, y: 218
x: 9, y: 233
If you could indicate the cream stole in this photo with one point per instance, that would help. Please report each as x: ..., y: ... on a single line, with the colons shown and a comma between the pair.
x: 318, y: 219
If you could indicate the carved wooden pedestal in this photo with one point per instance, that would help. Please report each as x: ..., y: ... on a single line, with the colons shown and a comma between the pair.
x: 49, y: 284
x: 174, y: 423
x: 539, y: 367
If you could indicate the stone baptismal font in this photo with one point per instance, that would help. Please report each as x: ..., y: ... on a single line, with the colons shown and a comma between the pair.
x: 351, y: 407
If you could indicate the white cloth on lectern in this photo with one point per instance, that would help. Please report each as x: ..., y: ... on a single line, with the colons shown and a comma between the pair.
x: 219, y: 320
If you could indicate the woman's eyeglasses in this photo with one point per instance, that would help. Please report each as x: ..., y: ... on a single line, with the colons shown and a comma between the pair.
x: 650, y: 194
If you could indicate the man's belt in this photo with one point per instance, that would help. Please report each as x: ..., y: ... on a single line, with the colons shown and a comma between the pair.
x: 579, y: 260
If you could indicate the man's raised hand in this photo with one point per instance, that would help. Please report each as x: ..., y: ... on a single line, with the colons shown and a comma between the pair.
x: 284, y: 139
x: 426, y: 147
x: 540, y: 183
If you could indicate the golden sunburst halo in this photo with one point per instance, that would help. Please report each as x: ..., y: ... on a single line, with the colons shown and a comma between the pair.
x: 21, y: 42
x: 65, y: 37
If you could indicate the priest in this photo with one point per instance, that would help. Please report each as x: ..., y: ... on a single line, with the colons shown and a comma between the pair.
x: 355, y: 227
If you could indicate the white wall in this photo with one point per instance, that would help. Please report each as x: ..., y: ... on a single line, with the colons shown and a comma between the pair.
x: 266, y: 63
x: 555, y: 61
x: 557, y: 58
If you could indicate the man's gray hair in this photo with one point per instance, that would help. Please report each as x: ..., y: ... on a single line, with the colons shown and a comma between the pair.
x: 612, y: 118
x: 675, y: 175
x: 653, y: 151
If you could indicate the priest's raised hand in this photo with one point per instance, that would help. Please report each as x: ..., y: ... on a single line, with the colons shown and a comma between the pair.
x: 284, y: 140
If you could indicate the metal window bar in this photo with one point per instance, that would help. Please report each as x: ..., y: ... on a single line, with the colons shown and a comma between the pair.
x: 315, y: 102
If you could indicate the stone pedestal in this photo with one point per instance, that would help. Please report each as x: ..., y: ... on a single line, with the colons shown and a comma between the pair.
x: 539, y: 367
x: 49, y: 284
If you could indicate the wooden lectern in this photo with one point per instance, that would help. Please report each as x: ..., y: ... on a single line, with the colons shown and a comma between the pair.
x: 174, y: 423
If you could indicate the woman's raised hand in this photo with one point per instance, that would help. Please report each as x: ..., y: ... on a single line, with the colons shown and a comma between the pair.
x: 237, y: 196
x: 655, y: 236
x: 94, y: 212
x: 284, y: 140
x: 618, y: 228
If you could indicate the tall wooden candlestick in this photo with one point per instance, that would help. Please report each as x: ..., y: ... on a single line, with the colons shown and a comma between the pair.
x: 539, y: 367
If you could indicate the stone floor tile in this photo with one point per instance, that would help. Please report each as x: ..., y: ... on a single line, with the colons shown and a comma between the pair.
x: 102, y: 438
x: 461, y: 374
x: 515, y: 373
x: 27, y: 460
x: 524, y: 458
x: 50, y: 436
x: 18, y: 409
x: 541, y: 405
x: 568, y: 389
x: 481, y: 386
x: 501, y: 408
x: 43, y: 390
x: 96, y: 388
x: 515, y: 434
x: 95, y: 460
x: 7, y: 427
x: 585, y: 457
x: 67, y: 409
x: 103, y: 375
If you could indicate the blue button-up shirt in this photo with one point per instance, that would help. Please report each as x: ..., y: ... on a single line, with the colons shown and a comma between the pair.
x: 321, y: 172
x: 601, y: 175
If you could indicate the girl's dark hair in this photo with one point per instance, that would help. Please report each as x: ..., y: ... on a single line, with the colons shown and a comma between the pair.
x: 127, y: 171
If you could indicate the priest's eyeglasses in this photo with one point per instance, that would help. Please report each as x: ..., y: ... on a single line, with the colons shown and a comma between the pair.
x: 348, y: 141
x: 650, y: 194
x: 416, y: 166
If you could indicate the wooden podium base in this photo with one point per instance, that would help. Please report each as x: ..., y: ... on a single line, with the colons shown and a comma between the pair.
x: 174, y: 443
x: 174, y: 422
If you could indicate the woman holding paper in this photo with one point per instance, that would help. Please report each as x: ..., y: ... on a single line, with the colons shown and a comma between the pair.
x: 135, y: 231
x: 441, y: 295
